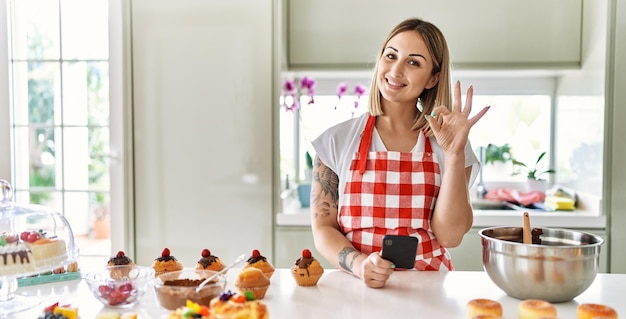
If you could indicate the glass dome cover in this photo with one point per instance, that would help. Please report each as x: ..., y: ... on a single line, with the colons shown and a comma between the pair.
x: 33, y: 239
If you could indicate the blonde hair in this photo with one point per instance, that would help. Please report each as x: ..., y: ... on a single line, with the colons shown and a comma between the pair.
x: 438, y: 48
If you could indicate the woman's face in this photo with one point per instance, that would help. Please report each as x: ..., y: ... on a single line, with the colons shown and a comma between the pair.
x: 405, y: 68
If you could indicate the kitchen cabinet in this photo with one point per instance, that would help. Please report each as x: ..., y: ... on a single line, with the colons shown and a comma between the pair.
x: 289, y: 242
x: 468, y: 255
x: 327, y: 34
x: 202, y: 130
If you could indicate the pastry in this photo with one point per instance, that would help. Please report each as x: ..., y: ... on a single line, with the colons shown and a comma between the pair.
x: 493, y: 317
x: 191, y: 310
x: 118, y: 263
x: 259, y: 261
x: 307, y: 270
x: 592, y: 310
x: 238, y: 306
x: 534, y: 309
x: 72, y: 267
x: 253, y: 280
x: 166, y: 263
x: 120, y: 259
x: 477, y: 307
x: 15, y: 259
x: 47, y: 251
x: 209, y: 262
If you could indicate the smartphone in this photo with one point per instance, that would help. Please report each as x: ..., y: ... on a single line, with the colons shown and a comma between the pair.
x: 400, y: 250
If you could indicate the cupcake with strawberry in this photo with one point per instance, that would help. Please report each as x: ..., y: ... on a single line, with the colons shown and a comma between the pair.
x: 209, y: 261
x: 260, y: 262
x: 166, y: 263
x: 307, y: 270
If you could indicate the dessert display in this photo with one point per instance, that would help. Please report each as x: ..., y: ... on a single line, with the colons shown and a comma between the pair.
x: 483, y: 307
x: 238, y: 306
x: 175, y: 288
x: 252, y: 280
x: 34, y: 239
x: 534, y: 309
x: 307, y: 270
x: 209, y: 262
x: 166, y: 263
x: 592, y: 310
x: 259, y: 261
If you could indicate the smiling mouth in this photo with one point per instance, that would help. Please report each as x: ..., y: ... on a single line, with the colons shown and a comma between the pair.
x: 395, y: 84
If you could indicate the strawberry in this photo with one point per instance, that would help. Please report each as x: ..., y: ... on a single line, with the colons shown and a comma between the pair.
x: 206, y: 253
x: 306, y: 253
x: 256, y: 253
x: 120, y: 254
x: 165, y: 252
x: 24, y: 235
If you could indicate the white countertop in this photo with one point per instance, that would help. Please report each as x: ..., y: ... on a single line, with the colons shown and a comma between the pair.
x: 338, y: 295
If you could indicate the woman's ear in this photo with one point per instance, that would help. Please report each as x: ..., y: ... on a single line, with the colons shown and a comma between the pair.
x: 433, y: 81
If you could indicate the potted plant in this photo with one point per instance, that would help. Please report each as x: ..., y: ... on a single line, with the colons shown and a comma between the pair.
x: 533, y: 173
x: 497, y: 154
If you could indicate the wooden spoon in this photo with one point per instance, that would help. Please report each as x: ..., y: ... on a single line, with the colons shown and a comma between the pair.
x: 528, y: 239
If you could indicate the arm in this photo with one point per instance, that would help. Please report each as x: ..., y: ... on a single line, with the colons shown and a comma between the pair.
x: 329, y: 240
x: 453, y: 215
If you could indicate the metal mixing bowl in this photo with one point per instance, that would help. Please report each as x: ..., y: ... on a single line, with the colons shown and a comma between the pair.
x: 559, y: 268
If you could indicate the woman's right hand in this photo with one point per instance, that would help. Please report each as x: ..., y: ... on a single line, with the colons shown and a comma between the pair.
x: 374, y: 270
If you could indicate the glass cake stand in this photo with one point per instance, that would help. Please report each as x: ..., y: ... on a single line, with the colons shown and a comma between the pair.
x: 17, y: 225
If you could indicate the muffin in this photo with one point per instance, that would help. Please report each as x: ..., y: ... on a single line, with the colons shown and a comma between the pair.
x: 120, y: 259
x: 252, y: 280
x: 259, y: 261
x: 166, y: 263
x: 307, y: 270
x: 209, y: 262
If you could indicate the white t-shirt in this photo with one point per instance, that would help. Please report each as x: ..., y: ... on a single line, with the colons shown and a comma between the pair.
x: 337, y: 145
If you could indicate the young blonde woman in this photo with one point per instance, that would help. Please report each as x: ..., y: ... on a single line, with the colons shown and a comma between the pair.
x: 403, y: 168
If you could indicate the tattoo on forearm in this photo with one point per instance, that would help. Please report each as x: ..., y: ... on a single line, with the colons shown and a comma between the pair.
x: 344, y: 256
x: 329, y: 185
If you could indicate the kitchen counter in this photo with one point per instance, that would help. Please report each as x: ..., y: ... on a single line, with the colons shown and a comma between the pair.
x: 338, y: 295
x: 587, y: 216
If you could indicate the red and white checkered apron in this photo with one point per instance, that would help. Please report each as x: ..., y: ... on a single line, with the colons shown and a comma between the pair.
x: 392, y: 193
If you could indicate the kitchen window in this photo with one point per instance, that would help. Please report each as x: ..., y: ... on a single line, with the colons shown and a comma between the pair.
x: 525, y: 113
x: 58, y: 64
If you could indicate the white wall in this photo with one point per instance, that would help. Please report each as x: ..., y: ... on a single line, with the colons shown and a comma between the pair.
x: 202, y: 103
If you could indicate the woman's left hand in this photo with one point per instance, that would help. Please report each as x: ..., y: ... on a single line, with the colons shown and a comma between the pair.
x: 451, y: 127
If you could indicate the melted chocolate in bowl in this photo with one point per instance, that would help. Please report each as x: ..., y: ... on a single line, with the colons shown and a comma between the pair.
x: 557, y: 267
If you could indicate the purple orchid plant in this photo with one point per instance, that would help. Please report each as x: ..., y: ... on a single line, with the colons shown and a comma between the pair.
x: 292, y: 89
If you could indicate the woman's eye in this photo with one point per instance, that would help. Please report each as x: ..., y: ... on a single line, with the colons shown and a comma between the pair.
x: 390, y: 56
x: 415, y: 63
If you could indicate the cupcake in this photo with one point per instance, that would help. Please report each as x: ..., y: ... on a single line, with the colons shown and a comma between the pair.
x: 252, y: 280
x: 124, y: 265
x: 258, y: 261
x: 120, y: 259
x: 166, y: 263
x: 307, y: 270
x: 209, y: 262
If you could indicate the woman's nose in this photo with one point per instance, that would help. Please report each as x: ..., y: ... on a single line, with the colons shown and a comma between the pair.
x: 397, y: 70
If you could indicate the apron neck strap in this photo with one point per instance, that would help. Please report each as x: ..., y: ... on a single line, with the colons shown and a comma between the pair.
x: 366, y: 140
